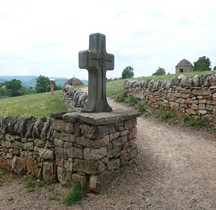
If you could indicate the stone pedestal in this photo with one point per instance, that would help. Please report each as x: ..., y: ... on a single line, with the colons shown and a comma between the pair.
x: 95, y: 148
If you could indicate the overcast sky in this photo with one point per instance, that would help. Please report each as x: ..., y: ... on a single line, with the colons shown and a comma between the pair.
x: 43, y: 37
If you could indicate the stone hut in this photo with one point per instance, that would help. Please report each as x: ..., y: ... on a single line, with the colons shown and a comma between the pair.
x: 73, y: 82
x: 184, y: 66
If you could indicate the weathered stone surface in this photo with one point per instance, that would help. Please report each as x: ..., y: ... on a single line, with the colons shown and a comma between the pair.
x: 9, y: 137
x: 18, y: 145
x: 128, y: 124
x: 39, y: 142
x: 61, y: 152
x: 113, y: 164
x: 86, y: 166
x: 46, y: 154
x: 100, y: 182
x: 32, y: 166
x: 114, y: 152
x: 73, y: 152
x: 29, y: 146
x: 102, y: 118
x: 58, y: 125
x: 48, y: 171
x: 81, y: 179
x: 6, y: 144
x: 174, y: 105
x: 65, y: 137
x: 18, y: 165
x: 94, y: 154
x: 58, y: 142
x: 68, y: 165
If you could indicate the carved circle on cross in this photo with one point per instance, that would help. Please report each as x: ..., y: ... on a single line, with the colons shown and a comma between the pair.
x: 102, y: 60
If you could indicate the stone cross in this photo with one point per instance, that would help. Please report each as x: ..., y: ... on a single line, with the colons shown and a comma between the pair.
x: 97, y: 61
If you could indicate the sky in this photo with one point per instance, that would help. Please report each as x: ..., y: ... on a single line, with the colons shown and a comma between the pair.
x: 44, y: 37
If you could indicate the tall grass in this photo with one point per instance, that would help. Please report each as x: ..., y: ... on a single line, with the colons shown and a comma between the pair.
x: 38, y: 105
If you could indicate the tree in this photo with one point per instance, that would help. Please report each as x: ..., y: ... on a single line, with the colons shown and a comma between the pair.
x: 42, y: 84
x: 202, y: 64
x: 128, y: 72
x: 14, y: 88
x: 160, y: 71
x: 214, y: 68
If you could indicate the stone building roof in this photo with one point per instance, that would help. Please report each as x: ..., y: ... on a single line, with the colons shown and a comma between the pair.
x: 184, y: 63
x: 73, y: 82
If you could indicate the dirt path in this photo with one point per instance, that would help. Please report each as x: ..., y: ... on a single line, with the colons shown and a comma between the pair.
x: 176, y: 169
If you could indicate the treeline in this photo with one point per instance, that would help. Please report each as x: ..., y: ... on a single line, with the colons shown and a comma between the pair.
x: 14, y: 87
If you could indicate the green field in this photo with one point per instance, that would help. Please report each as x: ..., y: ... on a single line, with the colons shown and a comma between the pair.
x: 44, y: 104
x: 39, y: 105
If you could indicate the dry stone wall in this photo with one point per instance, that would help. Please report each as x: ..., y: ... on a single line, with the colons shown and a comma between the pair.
x: 74, y: 98
x: 192, y: 96
x: 93, y: 148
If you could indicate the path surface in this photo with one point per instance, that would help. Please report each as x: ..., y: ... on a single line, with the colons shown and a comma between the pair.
x: 176, y: 169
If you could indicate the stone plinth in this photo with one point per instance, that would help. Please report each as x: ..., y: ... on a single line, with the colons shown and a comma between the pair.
x: 101, y: 145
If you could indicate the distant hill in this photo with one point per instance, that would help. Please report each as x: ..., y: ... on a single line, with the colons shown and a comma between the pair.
x: 30, y: 81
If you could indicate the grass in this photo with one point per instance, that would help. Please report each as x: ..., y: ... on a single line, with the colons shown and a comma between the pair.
x: 3, y: 176
x: 32, y: 183
x: 38, y: 105
x: 75, y: 195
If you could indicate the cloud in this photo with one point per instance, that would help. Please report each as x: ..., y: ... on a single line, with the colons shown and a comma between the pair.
x: 44, y: 37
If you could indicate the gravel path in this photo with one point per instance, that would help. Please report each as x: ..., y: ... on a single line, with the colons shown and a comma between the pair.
x: 176, y: 169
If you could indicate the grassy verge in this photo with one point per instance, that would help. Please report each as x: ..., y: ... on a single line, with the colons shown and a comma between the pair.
x: 38, y: 105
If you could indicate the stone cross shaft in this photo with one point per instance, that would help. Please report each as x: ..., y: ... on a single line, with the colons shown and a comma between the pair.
x: 97, y: 61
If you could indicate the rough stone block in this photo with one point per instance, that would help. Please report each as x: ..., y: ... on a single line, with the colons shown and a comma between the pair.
x: 32, y: 166
x: 46, y: 154
x: 99, y: 183
x: 49, y: 171
x: 6, y: 144
x: 58, y: 142
x: 113, y: 164
x: 58, y: 125
x: 29, y: 146
x: 64, y: 176
x: 133, y: 133
x: 68, y: 165
x: 69, y: 128
x: 17, y: 145
x: 9, y: 137
x: 65, y: 137
x: 92, y: 143
x: 114, y: 152
x: 128, y: 124
x: 86, y: 166
x: 73, y: 152
x: 81, y: 179
x: 61, y: 152
x: 89, y: 131
x: 18, y: 165
x: 201, y: 106
x: 114, y: 135
x: 94, y: 154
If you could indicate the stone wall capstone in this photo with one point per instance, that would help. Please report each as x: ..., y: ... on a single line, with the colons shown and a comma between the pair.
x: 192, y: 96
